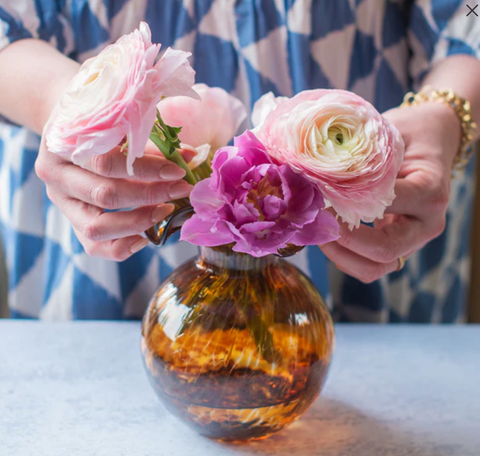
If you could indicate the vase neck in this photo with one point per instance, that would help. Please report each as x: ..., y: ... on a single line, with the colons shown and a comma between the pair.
x: 224, y: 257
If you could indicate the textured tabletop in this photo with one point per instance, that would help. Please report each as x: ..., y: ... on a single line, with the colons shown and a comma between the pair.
x: 78, y: 389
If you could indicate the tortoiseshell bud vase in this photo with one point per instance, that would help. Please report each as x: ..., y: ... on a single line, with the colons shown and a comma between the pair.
x: 235, y: 346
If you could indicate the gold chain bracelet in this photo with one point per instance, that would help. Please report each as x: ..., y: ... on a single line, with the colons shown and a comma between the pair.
x: 464, y: 112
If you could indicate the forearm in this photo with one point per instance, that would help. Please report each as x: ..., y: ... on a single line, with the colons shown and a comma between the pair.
x: 33, y: 75
x: 461, y: 73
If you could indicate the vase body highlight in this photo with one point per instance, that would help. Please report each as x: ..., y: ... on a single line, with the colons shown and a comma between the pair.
x: 235, y: 346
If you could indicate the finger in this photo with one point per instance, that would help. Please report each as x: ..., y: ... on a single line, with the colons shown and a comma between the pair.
x: 407, y: 195
x: 386, y: 244
x: 365, y: 270
x: 421, y: 195
x: 106, y: 193
x: 115, y: 250
x: 147, y: 168
x: 387, y: 219
x: 106, y: 226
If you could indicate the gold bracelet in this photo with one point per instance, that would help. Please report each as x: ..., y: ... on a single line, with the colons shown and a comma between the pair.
x: 464, y: 112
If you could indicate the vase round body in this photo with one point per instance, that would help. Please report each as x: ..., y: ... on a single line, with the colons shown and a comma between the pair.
x: 237, y: 347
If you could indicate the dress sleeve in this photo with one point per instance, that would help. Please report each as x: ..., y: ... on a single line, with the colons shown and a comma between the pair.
x: 44, y: 20
x: 438, y: 29
x: 20, y: 19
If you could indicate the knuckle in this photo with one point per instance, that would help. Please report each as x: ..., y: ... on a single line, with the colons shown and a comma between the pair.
x: 341, y: 268
x: 371, y: 274
x: 50, y: 193
x: 441, y: 199
x: 388, y: 247
x: 140, y: 172
x: 389, y: 252
x: 90, y: 230
x: 438, y: 228
x: 151, y: 195
x: 103, y: 196
x: 122, y: 257
x: 90, y: 249
x: 366, y: 279
x: 346, y: 238
x: 102, y: 165
x: 42, y: 171
x: 366, y: 275
x: 442, y: 225
x: 438, y: 194
x: 120, y: 254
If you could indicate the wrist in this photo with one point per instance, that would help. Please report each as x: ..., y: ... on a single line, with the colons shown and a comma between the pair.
x: 449, y: 128
x: 34, y: 75
x: 461, y: 109
x: 56, y: 89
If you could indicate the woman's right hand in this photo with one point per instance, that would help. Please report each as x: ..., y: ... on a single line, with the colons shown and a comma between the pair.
x: 84, y: 195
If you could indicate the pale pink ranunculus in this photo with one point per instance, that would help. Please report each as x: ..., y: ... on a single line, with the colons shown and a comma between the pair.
x: 115, y: 95
x: 207, y: 124
x: 342, y: 143
x: 263, y: 106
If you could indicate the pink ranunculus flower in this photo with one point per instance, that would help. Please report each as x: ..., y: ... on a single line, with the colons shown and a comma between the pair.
x: 115, y: 95
x: 256, y: 204
x: 264, y: 106
x: 207, y: 124
x: 341, y: 143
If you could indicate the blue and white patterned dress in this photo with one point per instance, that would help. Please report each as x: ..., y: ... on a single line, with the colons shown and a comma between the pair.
x: 377, y: 48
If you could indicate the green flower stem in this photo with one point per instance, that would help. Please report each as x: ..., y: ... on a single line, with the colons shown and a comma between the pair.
x: 202, y: 171
x: 175, y: 157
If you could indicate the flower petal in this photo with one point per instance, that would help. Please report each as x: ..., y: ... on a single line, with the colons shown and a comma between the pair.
x: 212, y: 119
x: 201, y: 232
x: 202, y: 153
x: 263, y: 106
x: 323, y: 229
x: 114, y: 95
x: 341, y: 144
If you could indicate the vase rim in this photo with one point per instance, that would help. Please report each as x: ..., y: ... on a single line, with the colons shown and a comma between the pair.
x: 225, y: 257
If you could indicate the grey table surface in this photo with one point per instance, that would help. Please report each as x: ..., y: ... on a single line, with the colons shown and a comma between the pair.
x: 69, y: 389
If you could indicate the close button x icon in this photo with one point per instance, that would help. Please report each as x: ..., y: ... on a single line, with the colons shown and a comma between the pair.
x: 472, y: 10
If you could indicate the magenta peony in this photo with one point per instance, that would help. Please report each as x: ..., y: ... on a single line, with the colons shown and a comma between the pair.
x: 339, y: 142
x: 115, y: 95
x: 256, y: 204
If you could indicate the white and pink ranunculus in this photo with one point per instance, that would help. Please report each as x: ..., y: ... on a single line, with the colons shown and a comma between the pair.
x: 115, y: 95
x: 340, y: 142
x: 207, y: 124
x: 263, y: 107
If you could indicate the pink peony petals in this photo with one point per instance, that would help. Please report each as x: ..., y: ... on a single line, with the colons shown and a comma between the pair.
x: 213, y: 119
x: 254, y: 203
x: 201, y: 232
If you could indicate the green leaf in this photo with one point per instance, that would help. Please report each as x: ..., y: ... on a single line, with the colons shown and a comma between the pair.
x: 167, y: 139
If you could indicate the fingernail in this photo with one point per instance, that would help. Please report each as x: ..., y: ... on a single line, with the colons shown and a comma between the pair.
x: 172, y: 172
x: 160, y: 212
x: 139, y: 245
x: 180, y: 190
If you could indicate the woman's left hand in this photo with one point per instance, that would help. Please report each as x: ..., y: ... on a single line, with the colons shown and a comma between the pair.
x: 431, y: 132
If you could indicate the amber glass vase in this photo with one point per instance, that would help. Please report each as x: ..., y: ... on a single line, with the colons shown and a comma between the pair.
x: 235, y: 346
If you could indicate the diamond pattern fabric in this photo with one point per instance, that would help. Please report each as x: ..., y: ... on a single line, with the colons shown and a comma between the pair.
x: 377, y: 48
